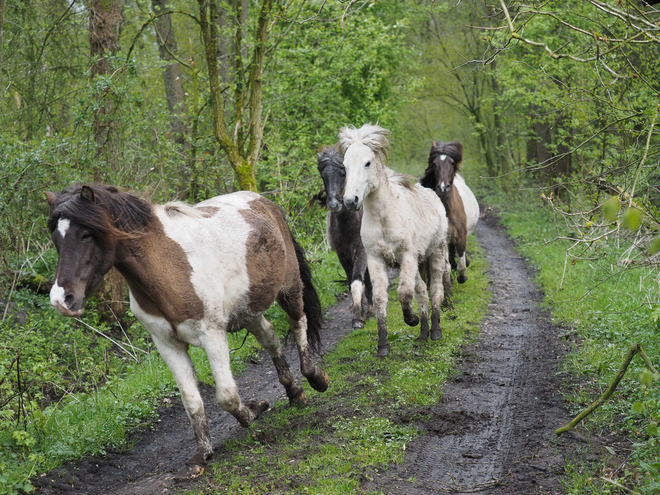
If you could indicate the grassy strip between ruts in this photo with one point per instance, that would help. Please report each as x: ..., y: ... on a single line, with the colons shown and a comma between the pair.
x: 610, y: 305
x: 363, y: 422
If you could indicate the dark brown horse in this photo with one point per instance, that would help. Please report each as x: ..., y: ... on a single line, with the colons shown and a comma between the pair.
x: 194, y: 274
x: 343, y: 231
x: 462, y: 208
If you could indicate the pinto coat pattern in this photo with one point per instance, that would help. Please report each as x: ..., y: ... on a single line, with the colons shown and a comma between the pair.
x: 194, y: 274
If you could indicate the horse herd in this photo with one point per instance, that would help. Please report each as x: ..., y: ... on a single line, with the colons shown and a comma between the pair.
x: 196, y: 273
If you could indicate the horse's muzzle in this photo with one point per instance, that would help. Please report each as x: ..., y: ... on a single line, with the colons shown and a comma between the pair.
x: 334, y: 205
x: 352, y: 203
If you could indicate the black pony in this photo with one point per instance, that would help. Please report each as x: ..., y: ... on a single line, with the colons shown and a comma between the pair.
x: 343, y: 228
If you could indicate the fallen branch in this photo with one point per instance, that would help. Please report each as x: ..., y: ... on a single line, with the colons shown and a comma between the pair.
x: 634, y: 349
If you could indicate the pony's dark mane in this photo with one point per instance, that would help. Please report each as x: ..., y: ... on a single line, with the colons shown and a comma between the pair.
x: 110, y: 214
x: 330, y: 156
x: 453, y: 149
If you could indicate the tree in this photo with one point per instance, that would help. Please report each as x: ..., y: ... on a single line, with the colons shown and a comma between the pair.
x: 105, y: 22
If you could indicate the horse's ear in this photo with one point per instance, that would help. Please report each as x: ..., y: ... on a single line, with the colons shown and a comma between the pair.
x: 434, y: 145
x: 87, y: 194
x: 50, y: 197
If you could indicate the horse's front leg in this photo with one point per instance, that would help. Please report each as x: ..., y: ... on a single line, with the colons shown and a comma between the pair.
x: 214, y: 342
x: 378, y: 274
x: 266, y: 335
x: 407, y: 280
x: 461, y: 245
x: 175, y: 354
x: 359, y: 303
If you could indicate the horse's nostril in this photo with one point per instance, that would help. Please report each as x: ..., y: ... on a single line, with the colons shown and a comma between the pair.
x: 355, y: 200
x: 69, y: 300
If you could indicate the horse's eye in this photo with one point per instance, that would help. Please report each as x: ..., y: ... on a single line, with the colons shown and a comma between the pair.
x: 366, y: 165
x: 87, y: 237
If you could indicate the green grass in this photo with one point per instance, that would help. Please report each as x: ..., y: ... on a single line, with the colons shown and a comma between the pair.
x: 363, y: 423
x: 609, y: 308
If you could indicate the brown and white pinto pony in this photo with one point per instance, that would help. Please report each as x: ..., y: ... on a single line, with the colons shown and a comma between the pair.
x: 194, y: 274
x: 403, y: 225
x: 460, y: 203
x: 343, y: 233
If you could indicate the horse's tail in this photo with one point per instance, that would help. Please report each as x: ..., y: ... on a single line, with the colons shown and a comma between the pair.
x: 311, y: 301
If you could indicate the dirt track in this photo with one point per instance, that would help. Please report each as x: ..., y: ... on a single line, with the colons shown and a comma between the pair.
x: 493, y: 431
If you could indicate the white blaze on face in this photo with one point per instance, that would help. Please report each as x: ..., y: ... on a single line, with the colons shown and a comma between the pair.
x: 63, y: 225
x: 443, y: 157
x: 443, y: 186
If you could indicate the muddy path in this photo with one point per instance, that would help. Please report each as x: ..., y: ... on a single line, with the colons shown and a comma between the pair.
x: 493, y: 431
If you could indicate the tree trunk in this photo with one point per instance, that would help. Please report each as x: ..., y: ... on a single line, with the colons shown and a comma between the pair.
x: 172, y: 80
x: 241, y: 146
x: 105, y: 23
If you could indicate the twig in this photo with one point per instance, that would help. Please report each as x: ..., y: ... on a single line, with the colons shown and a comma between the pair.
x: 634, y: 349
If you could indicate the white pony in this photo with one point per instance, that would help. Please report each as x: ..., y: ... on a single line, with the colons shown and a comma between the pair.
x: 404, y: 224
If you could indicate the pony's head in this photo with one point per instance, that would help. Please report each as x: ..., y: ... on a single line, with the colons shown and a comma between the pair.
x: 365, y: 151
x: 444, y: 162
x: 85, y: 223
x: 331, y: 168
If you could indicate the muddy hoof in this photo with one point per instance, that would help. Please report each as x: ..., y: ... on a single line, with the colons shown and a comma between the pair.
x: 423, y: 337
x: 436, y: 334
x: 194, y: 468
x: 319, y: 381
x: 411, y: 319
x: 190, y: 472
x: 357, y: 323
x: 257, y: 407
x: 462, y: 278
x: 383, y: 350
x: 299, y: 400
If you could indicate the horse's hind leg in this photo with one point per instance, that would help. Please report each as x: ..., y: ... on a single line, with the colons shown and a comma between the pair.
x: 176, y: 356
x: 293, y: 307
x: 265, y: 334
x: 217, y: 349
x: 422, y: 297
x: 439, y: 277
x: 405, y: 292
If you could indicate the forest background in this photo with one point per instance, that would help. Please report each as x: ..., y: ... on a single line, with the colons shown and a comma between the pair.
x: 556, y: 105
